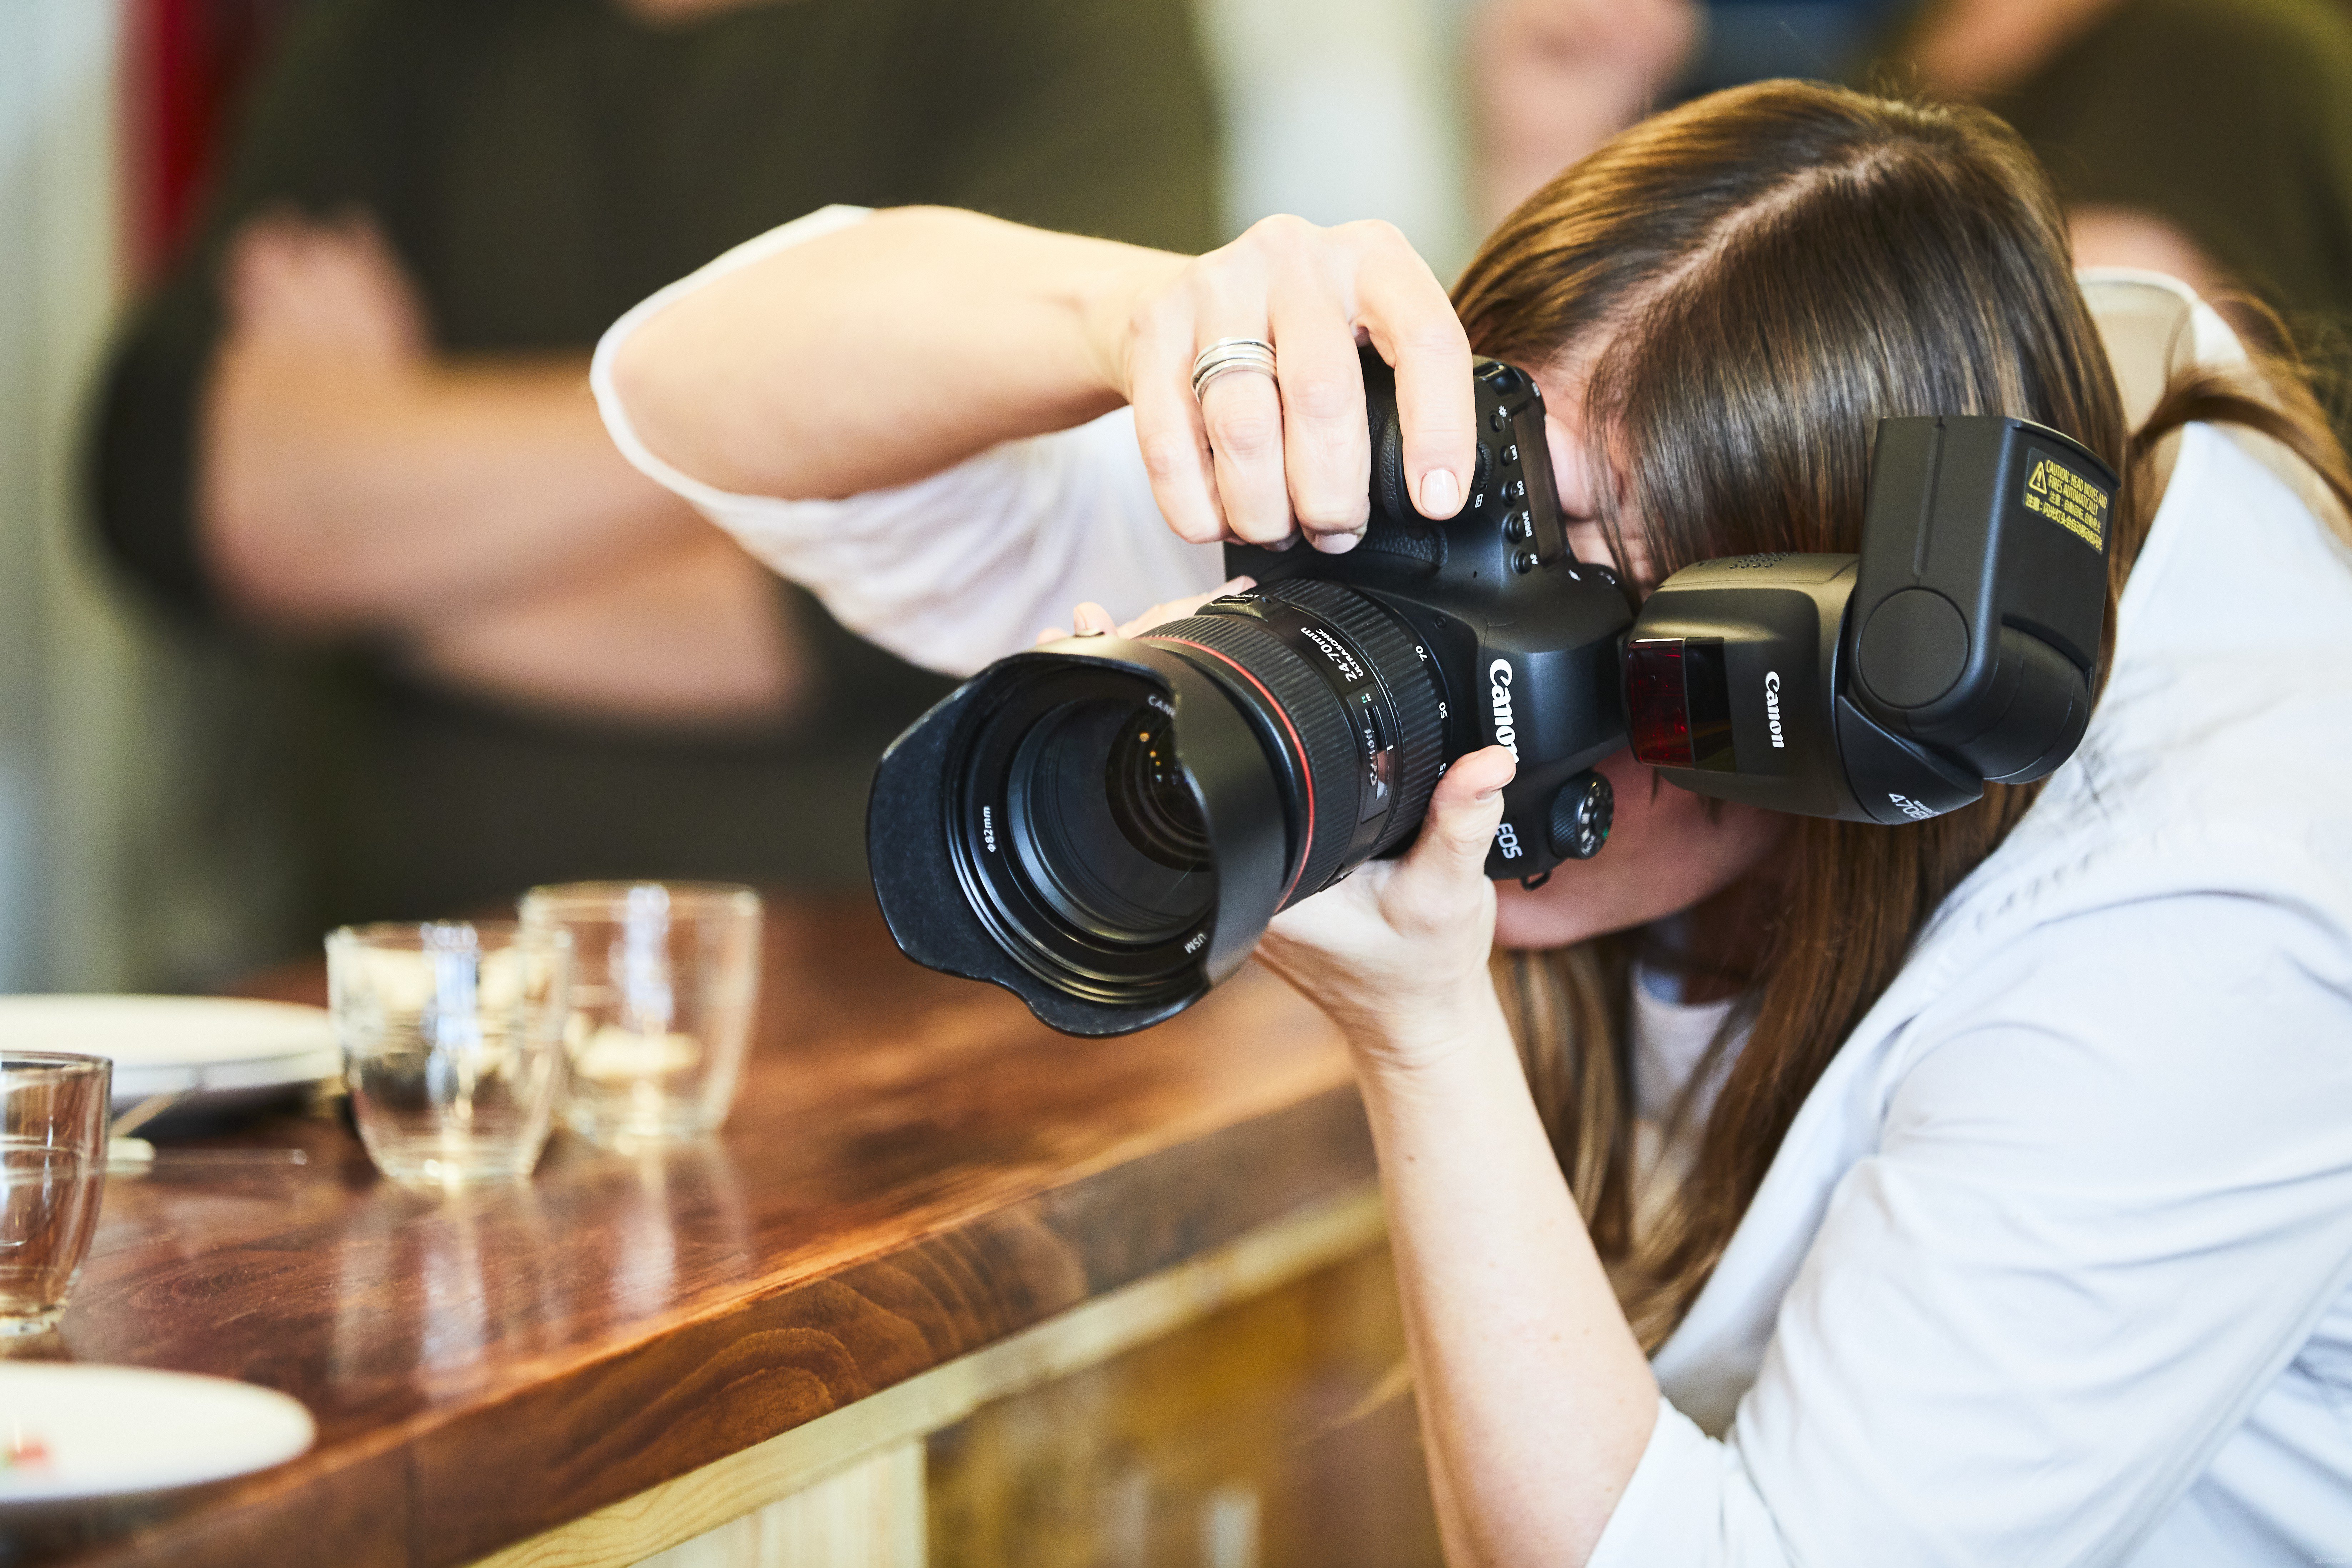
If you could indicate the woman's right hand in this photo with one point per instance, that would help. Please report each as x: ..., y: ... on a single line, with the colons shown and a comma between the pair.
x: 1396, y: 954
x: 1259, y: 459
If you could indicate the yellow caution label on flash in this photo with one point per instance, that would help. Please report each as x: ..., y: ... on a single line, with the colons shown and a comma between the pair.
x: 2067, y: 498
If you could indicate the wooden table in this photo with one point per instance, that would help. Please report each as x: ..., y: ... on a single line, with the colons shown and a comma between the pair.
x: 934, y: 1294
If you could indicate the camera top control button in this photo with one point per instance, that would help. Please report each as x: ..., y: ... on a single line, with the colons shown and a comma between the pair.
x: 1523, y: 561
x: 1499, y: 417
x: 1511, y: 453
x: 1515, y: 491
x: 1520, y: 527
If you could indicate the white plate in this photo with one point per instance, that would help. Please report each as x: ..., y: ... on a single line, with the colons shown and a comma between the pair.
x: 212, y: 1048
x: 108, y: 1431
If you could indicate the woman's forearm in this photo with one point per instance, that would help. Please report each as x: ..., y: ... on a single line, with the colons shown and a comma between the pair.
x: 1537, y: 1401
x: 883, y: 352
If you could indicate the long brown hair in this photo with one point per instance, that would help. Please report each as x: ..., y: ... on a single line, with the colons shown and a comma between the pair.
x: 1751, y: 282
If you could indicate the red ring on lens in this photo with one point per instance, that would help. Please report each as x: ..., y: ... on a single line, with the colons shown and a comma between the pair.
x: 1307, y: 843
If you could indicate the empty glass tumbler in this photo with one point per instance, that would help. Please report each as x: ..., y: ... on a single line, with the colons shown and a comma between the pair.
x: 452, y: 1036
x: 666, y: 983
x: 53, y: 1114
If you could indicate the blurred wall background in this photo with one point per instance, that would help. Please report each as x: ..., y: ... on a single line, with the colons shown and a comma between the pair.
x: 1336, y: 109
x: 71, y: 661
x: 108, y: 112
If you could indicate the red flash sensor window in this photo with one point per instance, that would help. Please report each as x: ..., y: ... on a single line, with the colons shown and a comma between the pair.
x: 1656, y: 704
x: 1679, y: 702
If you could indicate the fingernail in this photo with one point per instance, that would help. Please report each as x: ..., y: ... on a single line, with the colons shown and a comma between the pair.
x: 1338, y: 544
x: 1441, y: 493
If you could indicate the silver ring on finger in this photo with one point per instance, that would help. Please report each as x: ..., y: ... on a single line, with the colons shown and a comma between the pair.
x: 1230, y: 354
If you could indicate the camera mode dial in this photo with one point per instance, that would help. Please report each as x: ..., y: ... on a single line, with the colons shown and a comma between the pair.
x: 1580, y: 815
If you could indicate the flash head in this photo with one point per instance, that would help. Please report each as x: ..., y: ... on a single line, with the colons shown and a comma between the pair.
x: 1961, y: 645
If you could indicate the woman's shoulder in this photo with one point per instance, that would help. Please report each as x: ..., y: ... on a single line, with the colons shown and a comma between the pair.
x: 2183, y: 885
x: 2134, y: 1081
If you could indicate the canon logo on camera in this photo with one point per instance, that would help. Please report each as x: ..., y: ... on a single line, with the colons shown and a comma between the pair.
x: 1772, y: 705
x: 1506, y: 734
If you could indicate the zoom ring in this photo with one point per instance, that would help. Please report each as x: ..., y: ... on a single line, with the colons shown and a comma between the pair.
x: 1414, y: 689
x: 1313, y: 717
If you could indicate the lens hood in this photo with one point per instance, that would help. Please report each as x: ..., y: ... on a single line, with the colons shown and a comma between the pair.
x: 960, y: 885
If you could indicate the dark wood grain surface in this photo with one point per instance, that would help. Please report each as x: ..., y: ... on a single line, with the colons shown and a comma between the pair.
x: 915, y: 1168
x: 1282, y: 1408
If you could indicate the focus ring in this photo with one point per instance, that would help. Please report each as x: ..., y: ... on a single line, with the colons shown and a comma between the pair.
x: 1413, y: 690
x: 1315, y: 720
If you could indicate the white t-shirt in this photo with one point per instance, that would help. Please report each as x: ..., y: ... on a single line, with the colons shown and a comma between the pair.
x: 2054, y: 1265
x: 1670, y: 1039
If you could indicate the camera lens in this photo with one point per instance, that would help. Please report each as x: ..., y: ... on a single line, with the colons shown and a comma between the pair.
x: 1149, y: 797
x: 1123, y: 818
x: 1105, y: 822
x: 1346, y: 709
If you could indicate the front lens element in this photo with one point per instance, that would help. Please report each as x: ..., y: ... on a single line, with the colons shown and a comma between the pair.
x: 1150, y: 798
x: 1105, y: 826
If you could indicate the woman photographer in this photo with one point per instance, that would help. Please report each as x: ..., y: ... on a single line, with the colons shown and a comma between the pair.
x: 1974, y: 1190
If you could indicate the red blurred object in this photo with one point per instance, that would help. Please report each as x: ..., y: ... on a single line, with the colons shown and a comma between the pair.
x: 186, y: 63
x: 25, y: 1452
x: 1657, y: 702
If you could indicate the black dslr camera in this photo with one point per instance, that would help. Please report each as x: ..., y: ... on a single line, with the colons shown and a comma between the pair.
x: 1104, y: 827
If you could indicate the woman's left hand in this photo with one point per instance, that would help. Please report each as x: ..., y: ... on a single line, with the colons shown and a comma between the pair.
x: 1397, y: 953
x: 1091, y: 620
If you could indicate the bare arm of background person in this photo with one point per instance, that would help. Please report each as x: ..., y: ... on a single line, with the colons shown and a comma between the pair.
x: 352, y: 478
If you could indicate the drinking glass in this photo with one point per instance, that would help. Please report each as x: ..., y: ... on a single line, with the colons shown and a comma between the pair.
x: 53, y: 1110
x: 667, y: 982
x: 452, y: 1036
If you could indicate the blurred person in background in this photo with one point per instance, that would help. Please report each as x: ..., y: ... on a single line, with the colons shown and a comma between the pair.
x: 1552, y: 80
x: 2208, y: 140
x: 1439, y: 116
x: 356, y: 417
